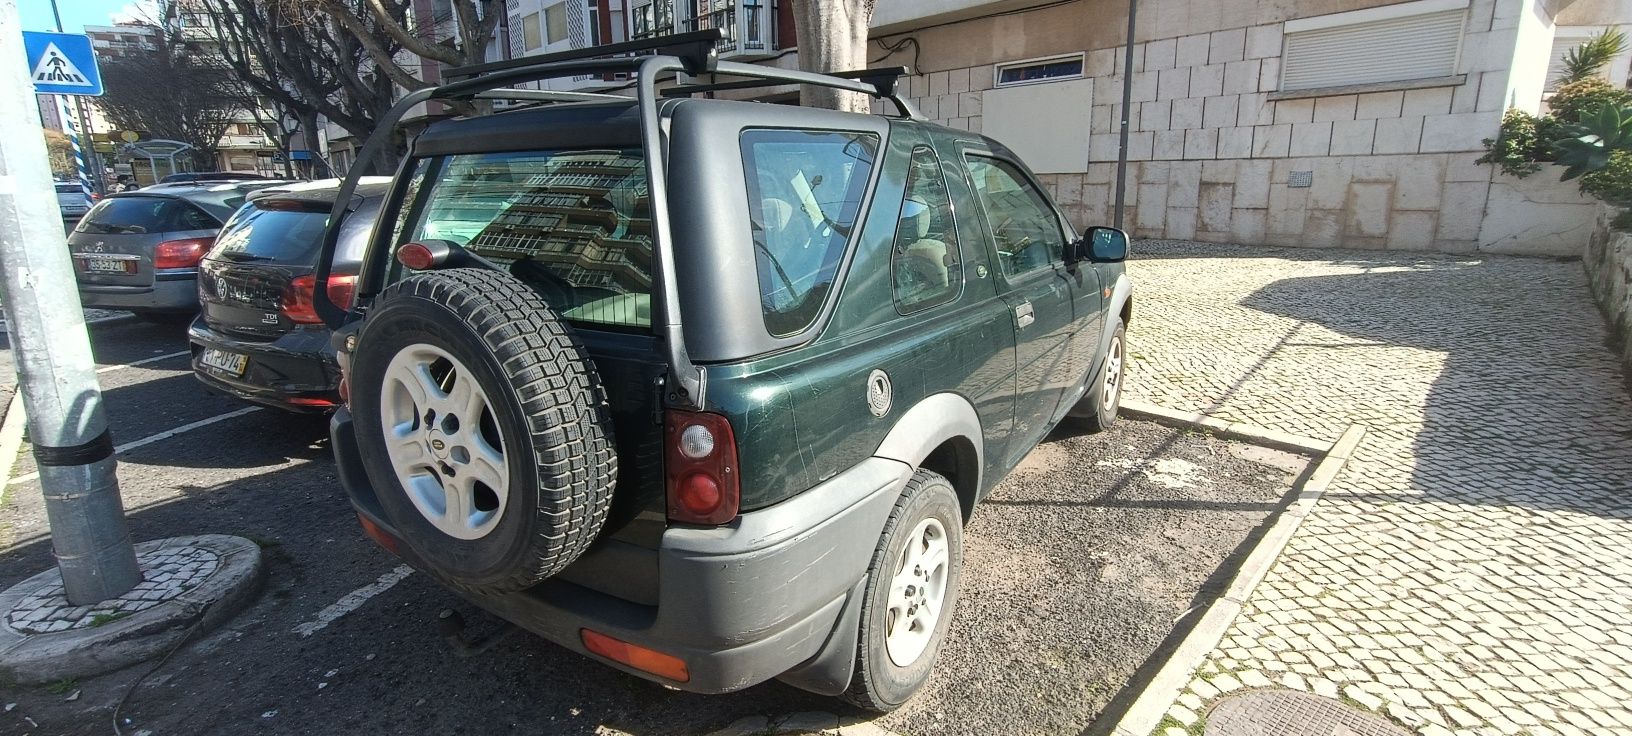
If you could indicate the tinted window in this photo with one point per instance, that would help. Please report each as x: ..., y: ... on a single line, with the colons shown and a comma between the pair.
x: 924, y: 263
x: 144, y: 215
x: 274, y: 232
x: 68, y: 189
x: 573, y: 224
x: 804, y: 194
x: 1025, y: 232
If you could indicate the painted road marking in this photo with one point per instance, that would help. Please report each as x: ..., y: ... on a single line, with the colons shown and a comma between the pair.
x: 144, y: 361
x: 150, y: 439
x: 353, y: 600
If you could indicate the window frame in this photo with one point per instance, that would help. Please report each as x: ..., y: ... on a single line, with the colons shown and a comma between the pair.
x: 957, y: 237
x: 1081, y: 58
x: 1067, y: 234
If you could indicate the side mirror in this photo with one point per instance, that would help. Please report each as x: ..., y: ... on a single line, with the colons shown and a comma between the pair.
x: 1104, y: 245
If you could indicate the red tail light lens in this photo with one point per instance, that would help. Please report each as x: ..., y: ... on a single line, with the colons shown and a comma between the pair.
x: 297, y: 296
x: 184, y: 253
x: 700, y: 467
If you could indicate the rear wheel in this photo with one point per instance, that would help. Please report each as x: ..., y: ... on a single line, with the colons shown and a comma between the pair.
x: 483, y: 428
x: 912, y: 589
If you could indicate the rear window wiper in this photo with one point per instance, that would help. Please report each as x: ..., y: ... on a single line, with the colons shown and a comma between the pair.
x: 244, y: 257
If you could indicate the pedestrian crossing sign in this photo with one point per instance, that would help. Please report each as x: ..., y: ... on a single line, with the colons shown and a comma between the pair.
x: 62, y: 64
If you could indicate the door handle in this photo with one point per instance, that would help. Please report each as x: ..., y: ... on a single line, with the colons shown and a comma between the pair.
x: 1024, y: 315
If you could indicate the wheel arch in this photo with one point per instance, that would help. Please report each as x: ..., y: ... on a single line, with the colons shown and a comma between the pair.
x: 941, y: 433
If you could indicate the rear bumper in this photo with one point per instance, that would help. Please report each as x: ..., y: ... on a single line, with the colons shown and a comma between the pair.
x: 295, y: 373
x: 774, y: 594
x: 172, y: 294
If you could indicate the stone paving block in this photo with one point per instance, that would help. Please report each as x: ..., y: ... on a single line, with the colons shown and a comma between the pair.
x: 1468, y: 568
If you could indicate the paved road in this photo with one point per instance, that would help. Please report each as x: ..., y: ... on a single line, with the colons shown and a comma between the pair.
x: 1078, y: 567
x: 1468, y: 573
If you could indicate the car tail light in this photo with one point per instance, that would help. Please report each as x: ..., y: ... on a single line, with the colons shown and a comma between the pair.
x: 636, y: 656
x: 312, y: 401
x: 184, y: 253
x: 700, y: 467
x: 297, y: 305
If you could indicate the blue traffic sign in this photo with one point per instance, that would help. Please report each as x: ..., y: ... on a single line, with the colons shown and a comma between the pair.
x: 62, y: 64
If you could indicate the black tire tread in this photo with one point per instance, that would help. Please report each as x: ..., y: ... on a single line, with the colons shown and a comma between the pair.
x: 560, y: 394
x: 863, y: 693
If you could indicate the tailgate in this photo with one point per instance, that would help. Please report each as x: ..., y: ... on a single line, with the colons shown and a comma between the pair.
x: 242, y: 299
x: 114, y: 259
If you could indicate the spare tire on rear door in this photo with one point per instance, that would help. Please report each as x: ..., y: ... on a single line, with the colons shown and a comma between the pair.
x: 483, y: 428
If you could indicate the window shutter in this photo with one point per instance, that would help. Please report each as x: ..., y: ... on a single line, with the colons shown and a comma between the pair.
x: 1555, y: 63
x: 1391, y: 50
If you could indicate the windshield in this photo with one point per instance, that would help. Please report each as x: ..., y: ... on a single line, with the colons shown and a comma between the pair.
x: 68, y: 189
x: 572, y: 224
x: 144, y: 215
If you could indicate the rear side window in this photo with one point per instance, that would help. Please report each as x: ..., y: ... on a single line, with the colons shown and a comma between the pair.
x: 575, y: 225
x: 144, y: 215
x: 68, y: 189
x: 804, y: 195
x: 925, y: 264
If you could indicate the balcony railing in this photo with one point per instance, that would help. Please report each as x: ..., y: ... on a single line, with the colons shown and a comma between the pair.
x: 748, y: 25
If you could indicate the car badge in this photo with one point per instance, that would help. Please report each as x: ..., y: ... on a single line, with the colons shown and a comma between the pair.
x: 269, y: 318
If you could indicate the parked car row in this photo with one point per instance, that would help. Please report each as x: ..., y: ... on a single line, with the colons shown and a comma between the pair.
x: 235, y: 258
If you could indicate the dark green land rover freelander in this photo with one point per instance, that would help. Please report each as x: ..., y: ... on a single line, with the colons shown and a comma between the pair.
x: 704, y: 389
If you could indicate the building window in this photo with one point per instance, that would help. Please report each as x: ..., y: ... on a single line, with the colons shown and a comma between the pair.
x: 594, y: 8
x: 1391, y: 43
x: 1032, y: 71
x: 531, y: 37
x: 555, y: 23
x: 655, y: 19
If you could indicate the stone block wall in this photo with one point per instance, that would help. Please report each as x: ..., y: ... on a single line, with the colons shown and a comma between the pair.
x: 1214, y: 147
x: 1608, y: 260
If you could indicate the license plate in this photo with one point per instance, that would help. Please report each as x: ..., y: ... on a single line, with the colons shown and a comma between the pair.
x: 108, y: 265
x: 226, y: 362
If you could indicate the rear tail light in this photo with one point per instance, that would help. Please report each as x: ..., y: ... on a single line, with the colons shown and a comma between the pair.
x: 639, y: 657
x: 184, y: 253
x: 297, y: 305
x: 700, y: 467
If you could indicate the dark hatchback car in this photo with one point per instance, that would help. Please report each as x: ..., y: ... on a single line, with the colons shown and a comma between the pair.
x: 209, y: 176
x: 257, y: 336
x: 139, y: 251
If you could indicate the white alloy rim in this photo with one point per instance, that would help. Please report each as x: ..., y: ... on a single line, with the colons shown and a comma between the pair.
x: 917, y: 593
x: 443, y: 441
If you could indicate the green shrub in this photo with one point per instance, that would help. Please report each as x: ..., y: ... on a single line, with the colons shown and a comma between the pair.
x: 1518, y: 146
x: 1613, y: 182
x: 1589, y: 57
x: 1587, y: 96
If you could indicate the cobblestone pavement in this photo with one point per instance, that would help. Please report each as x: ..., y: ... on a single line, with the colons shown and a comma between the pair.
x: 1469, y: 572
x: 167, y: 572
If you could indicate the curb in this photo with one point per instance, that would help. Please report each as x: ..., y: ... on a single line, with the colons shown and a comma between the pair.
x: 11, y: 439
x: 31, y: 659
x: 1228, y: 430
x: 799, y: 724
x: 1145, y: 714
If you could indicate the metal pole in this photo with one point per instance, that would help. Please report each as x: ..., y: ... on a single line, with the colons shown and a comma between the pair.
x: 93, y: 160
x: 70, y: 125
x: 1127, y: 101
x: 52, y: 350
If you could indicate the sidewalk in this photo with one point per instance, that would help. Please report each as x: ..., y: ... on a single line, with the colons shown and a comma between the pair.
x: 1469, y: 572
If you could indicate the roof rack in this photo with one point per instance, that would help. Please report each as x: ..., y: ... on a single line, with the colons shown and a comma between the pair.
x: 881, y: 78
x: 687, y: 53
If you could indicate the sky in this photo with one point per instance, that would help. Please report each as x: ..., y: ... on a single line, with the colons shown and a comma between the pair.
x: 76, y: 14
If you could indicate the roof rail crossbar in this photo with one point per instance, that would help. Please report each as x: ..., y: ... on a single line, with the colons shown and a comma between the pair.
x: 548, y: 95
x: 871, y: 82
x: 472, y: 86
x: 695, y: 49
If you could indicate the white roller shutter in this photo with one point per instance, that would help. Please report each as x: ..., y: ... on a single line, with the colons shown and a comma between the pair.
x: 1392, y: 50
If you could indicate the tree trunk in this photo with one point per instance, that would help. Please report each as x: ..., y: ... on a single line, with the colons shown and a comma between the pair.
x: 832, y: 38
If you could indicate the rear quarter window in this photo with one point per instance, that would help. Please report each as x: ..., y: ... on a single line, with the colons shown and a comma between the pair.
x: 144, y: 215
x: 573, y: 224
x: 805, y: 190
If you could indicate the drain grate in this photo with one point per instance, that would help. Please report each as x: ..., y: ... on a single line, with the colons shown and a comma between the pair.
x: 1291, y: 713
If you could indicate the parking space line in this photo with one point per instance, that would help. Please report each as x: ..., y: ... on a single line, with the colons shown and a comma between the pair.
x: 353, y: 600
x: 143, y: 361
x: 152, y: 438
